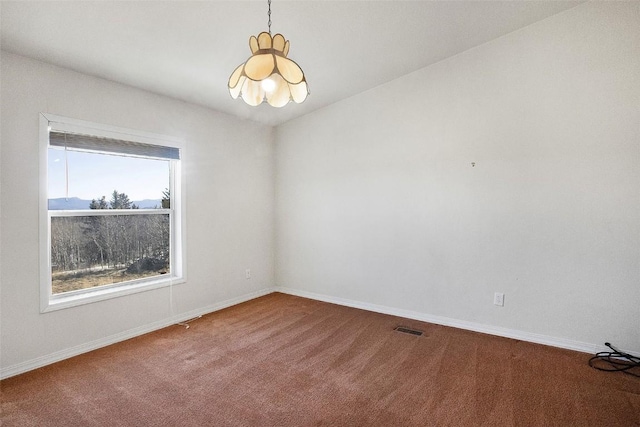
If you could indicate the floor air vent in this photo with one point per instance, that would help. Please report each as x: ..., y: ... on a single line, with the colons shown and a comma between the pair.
x: 407, y: 330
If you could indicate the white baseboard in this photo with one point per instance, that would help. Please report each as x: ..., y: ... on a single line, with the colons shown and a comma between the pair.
x: 446, y: 321
x: 48, y: 359
x: 440, y: 320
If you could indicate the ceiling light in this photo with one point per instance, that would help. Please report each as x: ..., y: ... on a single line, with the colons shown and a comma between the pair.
x: 268, y: 75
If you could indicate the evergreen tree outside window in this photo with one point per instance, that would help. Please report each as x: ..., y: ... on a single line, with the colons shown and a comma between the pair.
x: 109, y: 226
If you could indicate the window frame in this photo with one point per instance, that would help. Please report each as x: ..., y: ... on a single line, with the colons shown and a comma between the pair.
x: 177, y: 275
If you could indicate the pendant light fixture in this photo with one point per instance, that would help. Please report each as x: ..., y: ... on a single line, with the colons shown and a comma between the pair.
x: 268, y: 75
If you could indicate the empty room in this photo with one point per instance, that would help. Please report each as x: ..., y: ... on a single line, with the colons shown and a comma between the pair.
x: 320, y: 213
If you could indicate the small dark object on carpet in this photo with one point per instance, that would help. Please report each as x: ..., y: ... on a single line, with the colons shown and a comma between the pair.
x: 408, y: 330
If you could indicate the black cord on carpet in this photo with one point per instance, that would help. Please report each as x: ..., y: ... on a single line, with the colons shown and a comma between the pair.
x: 616, y: 361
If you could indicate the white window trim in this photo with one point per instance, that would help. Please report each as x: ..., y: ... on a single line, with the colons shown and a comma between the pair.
x: 178, y: 260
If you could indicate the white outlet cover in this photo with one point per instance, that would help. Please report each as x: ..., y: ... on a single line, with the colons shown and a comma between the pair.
x: 498, y: 299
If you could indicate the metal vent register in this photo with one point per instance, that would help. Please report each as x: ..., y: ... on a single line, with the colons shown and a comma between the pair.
x: 406, y: 330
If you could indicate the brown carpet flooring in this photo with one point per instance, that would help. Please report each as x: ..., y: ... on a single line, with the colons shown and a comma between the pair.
x: 281, y: 360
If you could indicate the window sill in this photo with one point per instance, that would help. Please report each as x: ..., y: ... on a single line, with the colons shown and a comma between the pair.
x: 62, y: 301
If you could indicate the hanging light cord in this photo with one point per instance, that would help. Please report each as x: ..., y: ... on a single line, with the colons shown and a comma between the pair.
x: 66, y: 170
x: 269, y: 14
x: 616, y: 361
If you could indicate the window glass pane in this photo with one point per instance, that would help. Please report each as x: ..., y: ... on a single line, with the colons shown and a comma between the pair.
x: 77, y: 177
x: 89, y: 251
x: 99, y: 250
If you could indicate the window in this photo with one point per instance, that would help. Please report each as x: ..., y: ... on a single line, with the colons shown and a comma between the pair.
x: 111, y: 212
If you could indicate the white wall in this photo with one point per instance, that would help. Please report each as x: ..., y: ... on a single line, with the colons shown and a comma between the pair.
x: 377, y: 202
x: 230, y: 197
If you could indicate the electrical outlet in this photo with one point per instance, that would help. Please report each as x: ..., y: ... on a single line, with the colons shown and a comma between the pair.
x: 247, y: 273
x: 498, y: 299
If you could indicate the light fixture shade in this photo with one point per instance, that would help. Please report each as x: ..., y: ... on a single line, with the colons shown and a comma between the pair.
x: 268, y: 75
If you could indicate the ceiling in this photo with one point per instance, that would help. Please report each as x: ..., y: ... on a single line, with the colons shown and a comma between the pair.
x: 188, y: 49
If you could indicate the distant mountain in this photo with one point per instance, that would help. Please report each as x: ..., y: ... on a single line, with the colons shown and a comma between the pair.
x: 74, y: 203
x: 148, y: 203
